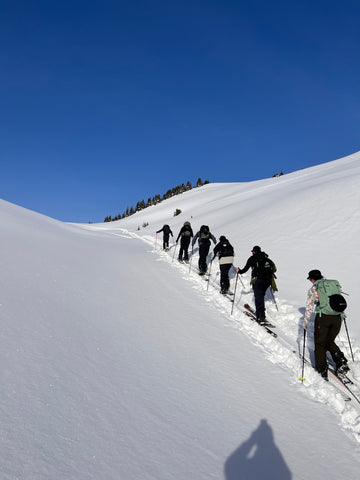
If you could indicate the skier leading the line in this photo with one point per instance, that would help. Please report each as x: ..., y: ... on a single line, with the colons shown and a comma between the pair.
x: 326, y: 329
x: 166, y: 234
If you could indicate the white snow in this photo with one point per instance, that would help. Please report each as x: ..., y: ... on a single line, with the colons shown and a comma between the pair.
x: 116, y: 361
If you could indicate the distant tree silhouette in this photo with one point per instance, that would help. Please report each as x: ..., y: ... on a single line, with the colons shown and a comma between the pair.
x: 140, y: 205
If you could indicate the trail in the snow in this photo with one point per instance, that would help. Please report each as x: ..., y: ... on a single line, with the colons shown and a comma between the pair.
x: 283, y: 350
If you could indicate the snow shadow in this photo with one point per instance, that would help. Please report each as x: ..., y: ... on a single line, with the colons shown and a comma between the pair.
x: 257, y: 458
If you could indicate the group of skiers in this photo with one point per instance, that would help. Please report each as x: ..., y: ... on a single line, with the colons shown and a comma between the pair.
x: 322, y: 294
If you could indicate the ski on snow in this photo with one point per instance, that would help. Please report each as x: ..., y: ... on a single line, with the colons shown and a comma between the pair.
x: 345, y: 381
x: 341, y: 382
x: 251, y: 314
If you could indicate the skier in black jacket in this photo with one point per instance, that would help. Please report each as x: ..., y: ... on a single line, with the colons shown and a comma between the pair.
x: 166, y: 234
x: 185, y: 235
x: 204, y: 235
x: 261, y: 275
x: 226, y: 257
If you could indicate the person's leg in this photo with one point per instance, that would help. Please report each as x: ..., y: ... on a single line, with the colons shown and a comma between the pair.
x: 260, y: 288
x: 321, y: 331
x: 185, y: 244
x: 203, y: 252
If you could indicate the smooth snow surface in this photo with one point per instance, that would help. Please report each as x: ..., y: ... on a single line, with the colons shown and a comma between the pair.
x: 117, y: 362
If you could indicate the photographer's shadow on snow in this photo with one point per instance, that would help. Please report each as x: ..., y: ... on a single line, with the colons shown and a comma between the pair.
x: 257, y: 458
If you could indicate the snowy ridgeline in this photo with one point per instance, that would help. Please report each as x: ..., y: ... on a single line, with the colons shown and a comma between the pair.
x: 119, y: 362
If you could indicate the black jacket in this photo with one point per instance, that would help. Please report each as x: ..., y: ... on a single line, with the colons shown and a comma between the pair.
x: 203, y: 241
x: 224, y: 249
x: 166, y: 229
x: 185, y: 228
x: 256, y: 262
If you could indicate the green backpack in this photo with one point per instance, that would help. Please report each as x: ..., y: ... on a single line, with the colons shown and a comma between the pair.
x: 331, y: 302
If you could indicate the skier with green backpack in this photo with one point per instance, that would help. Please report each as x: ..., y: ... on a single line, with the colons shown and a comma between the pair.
x: 329, y: 304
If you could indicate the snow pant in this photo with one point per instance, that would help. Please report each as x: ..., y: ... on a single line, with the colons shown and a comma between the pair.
x: 203, y: 253
x: 327, y: 328
x: 224, y: 276
x: 166, y: 240
x: 260, y: 286
x: 184, y: 247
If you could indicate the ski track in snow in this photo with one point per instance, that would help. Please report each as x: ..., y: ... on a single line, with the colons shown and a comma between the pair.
x: 283, y: 350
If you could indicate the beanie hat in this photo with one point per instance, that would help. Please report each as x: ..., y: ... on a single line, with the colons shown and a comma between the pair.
x: 256, y: 249
x: 222, y: 238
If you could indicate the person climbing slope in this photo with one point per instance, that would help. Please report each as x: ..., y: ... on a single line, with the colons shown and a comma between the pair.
x: 166, y: 235
x: 204, y: 235
x: 185, y: 235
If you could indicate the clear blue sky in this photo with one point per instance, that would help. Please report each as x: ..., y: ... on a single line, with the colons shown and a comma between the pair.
x: 105, y: 103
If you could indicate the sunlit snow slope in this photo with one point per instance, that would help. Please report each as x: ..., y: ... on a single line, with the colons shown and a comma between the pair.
x: 119, y: 363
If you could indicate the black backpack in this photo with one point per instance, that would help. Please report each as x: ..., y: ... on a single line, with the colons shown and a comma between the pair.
x: 265, y: 267
x: 227, y: 249
x: 186, y: 230
x: 204, y: 231
x: 337, y: 302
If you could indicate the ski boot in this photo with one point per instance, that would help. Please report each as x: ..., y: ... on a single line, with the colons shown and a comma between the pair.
x: 341, y: 363
x: 324, y: 374
x: 262, y: 320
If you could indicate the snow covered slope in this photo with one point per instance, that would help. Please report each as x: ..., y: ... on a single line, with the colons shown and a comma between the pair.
x: 117, y: 362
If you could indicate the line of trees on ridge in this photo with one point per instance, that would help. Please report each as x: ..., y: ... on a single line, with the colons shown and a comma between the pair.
x: 156, y: 199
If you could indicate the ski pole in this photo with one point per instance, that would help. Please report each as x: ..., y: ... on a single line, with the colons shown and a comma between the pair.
x: 242, y: 283
x: 233, y: 303
x: 273, y: 297
x: 347, y: 333
x: 192, y: 253
x: 174, y: 252
x: 303, y: 359
x: 207, y: 287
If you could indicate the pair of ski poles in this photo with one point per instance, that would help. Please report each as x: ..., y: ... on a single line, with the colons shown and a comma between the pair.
x: 303, y: 354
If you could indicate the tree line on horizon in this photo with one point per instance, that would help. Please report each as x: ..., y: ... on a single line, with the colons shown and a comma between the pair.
x: 156, y: 199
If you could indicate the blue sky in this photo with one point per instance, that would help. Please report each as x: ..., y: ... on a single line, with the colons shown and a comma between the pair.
x: 105, y: 103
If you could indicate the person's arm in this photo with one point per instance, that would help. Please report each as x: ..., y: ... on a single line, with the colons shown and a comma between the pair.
x: 247, y: 266
x: 215, y: 251
x: 181, y: 231
x: 312, y: 298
